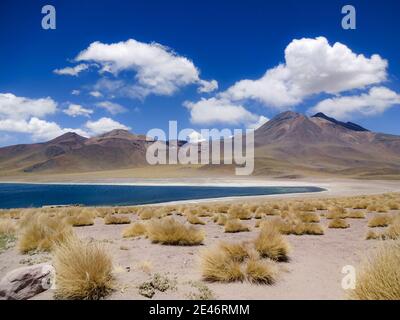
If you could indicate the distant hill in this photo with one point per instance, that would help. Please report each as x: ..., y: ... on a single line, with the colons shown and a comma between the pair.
x: 289, y: 145
x: 320, y: 144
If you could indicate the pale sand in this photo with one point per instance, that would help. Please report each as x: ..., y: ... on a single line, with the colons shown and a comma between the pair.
x: 314, y: 271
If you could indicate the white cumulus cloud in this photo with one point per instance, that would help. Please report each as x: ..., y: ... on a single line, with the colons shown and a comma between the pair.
x: 72, y: 71
x: 209, y: 111
x: 104, y: 125
x: 75, y: 110
x: 158, y: 69
x: 96, y: 94
x: 376, y: 101
x: 22, y: 115
x: 311, y: 66
x: 111, y: 107
x: 14, y: 107
x: 259, y: 123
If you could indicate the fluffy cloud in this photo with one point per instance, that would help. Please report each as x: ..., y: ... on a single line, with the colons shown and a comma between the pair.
x: 39, y: 129
x: 159, y: 70
x: 311, y: 66
x: 22, y: 115
x: 207, y: 86
x: 75, y: 92
x: 209, y: 111
x: 96, y: 94
x: 376, y: 101
x: 111, y: 107
x: 104, y: 125
x: 259, y: 123
x: 13, y: 107
x: 75, y: 110
x: 72, y: 71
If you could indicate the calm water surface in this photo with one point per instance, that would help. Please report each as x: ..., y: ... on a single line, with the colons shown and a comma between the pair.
x: 37, y: 195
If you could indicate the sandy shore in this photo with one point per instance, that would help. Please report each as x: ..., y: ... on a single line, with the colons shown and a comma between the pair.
x: 314, y: 270
x: 333, y: 187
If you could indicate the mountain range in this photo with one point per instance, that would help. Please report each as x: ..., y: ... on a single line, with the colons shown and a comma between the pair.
x: 289, y: 145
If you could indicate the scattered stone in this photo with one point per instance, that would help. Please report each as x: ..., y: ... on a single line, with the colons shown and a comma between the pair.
x: 26, y: 282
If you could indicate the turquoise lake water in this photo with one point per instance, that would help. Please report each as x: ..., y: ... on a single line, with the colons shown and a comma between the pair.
x: 37, y: 195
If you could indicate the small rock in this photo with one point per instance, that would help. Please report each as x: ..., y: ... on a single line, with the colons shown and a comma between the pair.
x: 26, y: 282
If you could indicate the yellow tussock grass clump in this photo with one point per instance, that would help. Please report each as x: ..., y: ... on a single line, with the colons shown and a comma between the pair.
x: 301, y: 228
x: 217, y: 265
x: 238, y: 212
x: 81, y: 218
x: 236, y: 251
x: 222, y: 219
x: 356, y: 215
x: 380, y: 220
x: 42, y: 232
x: 271, y: 244
x: 147, y: 213
x: 372, y: 235
x: 8, y: 227
x: 336, y: 213
x: 379, y: 276
x: 338, y: 224
x: 137, y: 229
x: 393, y: 232
x: 260, y: 272
x: 116, y: 219
x: 309, y: 217
x: 235, y: 225
x: 168, y: 231
x: 83, y: 270
x: 192, y: 219
x: 392, y: 205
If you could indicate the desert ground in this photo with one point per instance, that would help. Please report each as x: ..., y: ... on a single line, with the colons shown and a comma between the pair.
x: 312, y: 270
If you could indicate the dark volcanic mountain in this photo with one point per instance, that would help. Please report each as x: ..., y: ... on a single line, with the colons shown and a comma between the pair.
x: 323, y: 144
x: 290, y: 144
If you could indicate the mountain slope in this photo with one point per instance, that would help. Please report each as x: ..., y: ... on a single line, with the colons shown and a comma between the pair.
x: 325, y: 145
x: 291, y: 144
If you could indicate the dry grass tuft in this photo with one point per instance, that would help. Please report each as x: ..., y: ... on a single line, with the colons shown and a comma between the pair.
x: 336, y: 213
x: 42, y: 232
x: 81, y: 218
x: 239, y: 212
x: 338, y: 224
x: 116, y: 219
x: 83, y: 270
x: 380, y: 220
x: 309, y: 217
x: 217, y: 265
x: 271, y: 244
x: 135, y: 230
x: 372, y: 235
x: 379, y: 277
x: 261, y: 272
x: 236, y: 251
x: 171, y: 232
x: 356, y: 215
x: 222, y: 219
x: 301, y: 228
x: 8, y: 227
x: 192, y: 219
x: 234, y: 226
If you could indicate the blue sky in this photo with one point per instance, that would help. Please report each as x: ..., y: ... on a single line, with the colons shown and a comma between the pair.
x: 231, y: 43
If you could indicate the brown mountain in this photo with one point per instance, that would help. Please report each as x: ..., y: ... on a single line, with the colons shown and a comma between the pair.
x: 293, y: 142
x: 289, y: 145
x: 73, y: 153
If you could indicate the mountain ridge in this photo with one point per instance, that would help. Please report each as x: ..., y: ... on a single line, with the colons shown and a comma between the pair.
x: 289, y: 142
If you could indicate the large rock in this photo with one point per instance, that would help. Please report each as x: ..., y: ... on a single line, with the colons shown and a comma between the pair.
x: 26, y: 282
